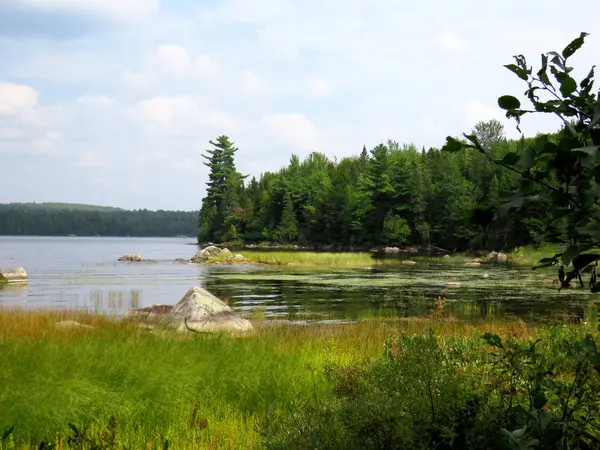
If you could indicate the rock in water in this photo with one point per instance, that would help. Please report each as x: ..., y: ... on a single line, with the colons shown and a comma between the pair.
x: 13, y: 276
x: 497, y: 257
x: 130, y: 258
x: 408, y: 262
x: 198, y: 310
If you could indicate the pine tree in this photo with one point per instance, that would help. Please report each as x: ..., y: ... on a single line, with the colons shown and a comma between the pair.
x: 223, y: 189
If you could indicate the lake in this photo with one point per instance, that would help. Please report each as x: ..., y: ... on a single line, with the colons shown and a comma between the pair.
x: 83, y: 273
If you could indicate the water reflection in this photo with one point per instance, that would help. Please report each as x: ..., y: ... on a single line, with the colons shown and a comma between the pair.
x: 82, y: 273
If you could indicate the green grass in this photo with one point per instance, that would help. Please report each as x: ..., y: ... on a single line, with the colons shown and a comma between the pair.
x: 307, y: 258
x: 155, y: 384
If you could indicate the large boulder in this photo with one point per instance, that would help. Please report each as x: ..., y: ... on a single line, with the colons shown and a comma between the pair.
x: 131, y: 258
x: 13, y: 276
x: 209, y: 252
x: 198, y: 311
x: 497, y: 257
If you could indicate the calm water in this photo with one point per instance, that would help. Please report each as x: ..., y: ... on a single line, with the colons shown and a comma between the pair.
x: 83, y: 273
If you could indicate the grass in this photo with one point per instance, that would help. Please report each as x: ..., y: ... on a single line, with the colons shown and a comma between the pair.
x: 205, y: 391
x: 302, y: 258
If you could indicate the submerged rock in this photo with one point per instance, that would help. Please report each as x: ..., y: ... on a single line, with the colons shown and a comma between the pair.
x: 182, y: 260
x: 13, y: 276
x: 408, y: 262
x: 473, y: 264
x: 198, y: 311
x: 132, y: 258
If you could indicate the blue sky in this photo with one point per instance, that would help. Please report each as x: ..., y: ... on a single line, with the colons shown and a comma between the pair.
x: 112, y: 102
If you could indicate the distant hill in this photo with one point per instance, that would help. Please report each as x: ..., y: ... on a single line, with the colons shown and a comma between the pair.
x: 64, y: 219
x: 54, y: 206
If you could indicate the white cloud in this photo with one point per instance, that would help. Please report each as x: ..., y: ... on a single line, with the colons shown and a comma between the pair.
x: 252, y: 84
x: 204, y: 65
x: 121, y: 10
x: 453, y: 43
x: 91, y: 160
x: 62, y: 65
x: 95, y: 100
x: 475, y: 111
x: 10, y: 133
x: 18, y: 100
x: 293, y: 129
x: 173, y: 112
x: 318, y: 87
x: 173, y: 59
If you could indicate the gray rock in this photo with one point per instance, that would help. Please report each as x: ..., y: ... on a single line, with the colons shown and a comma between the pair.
x: 497, y: 257
x: 132, y: 258
x: 198, y: 311
x: 472, y: 264
x: 408, y: 262
x: 391, y: 250
x: 71, y: 324
x: 13, y: 276
x: 238, y: 257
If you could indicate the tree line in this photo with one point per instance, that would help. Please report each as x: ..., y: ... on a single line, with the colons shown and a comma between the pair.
x: 392, y: 194
x: 24, y: 220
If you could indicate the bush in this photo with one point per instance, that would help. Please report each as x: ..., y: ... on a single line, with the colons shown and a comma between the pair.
x: 457, y: 393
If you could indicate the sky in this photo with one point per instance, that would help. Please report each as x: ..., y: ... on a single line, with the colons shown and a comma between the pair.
x: 113, y: 102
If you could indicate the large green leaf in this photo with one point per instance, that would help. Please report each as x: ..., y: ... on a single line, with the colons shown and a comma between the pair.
x: 574, y: 45
x: 519, y: 71
x: 571, y: 252
x: 508, y: 102
x: 591, y: 150
x: 567, y: 86
x: 527, y: 160
x: 452, y: 145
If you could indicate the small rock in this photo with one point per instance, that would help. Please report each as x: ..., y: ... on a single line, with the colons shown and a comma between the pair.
x: 182, y: 260
x: 477, y: 260
x: 71, y: 324
x: 238, y: 257
x: 226, y: 251
x: 131, y: 258
x: 408, y: 262
x: 485, y: 275
x: 446, y: 256
x: 391, y: 250
x: 472, y: 264
x: 452, y: 284
x: 13, y: 276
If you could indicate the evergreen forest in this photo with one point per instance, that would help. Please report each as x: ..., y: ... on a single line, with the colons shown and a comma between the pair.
x: 389, y: 195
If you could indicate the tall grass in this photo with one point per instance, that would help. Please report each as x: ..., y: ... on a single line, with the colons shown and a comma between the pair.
x: 302, y: 258
x: 204, y: 391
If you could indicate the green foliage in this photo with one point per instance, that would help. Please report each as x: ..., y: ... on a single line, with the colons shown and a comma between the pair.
x: 560, y: 172
x: 221, y: 211
x: 391, y: 194
x: 454, y: 393
x: 395, y: 229
x: 39, y: 221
